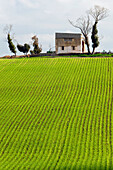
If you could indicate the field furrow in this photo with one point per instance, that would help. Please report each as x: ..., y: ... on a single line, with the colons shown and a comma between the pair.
x: 56, y: 113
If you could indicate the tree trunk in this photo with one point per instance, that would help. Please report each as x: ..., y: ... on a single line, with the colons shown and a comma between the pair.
x: 87, y: 43
x: 88, y: 49
x: 93, y: 50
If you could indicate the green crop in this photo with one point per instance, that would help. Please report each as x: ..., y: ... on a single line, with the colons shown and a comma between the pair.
x: 56, y: 113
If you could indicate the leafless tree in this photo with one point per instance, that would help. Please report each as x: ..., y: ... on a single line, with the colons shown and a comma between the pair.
x: 7, y: 29
x: 84, y: 24
x: 98, y: 13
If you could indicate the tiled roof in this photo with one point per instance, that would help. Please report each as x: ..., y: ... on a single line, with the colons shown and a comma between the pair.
x: 67, y: 35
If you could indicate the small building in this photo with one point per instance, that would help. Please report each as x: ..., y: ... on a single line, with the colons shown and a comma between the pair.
x: 68, y: 43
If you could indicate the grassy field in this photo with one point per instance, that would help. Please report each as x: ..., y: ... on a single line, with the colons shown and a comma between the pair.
x: 56, y: 113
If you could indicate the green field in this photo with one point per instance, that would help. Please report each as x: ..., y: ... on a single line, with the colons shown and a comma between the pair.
x: 56, y: 113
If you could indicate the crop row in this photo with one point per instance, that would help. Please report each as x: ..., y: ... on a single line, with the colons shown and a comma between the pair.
x: 56, y: 113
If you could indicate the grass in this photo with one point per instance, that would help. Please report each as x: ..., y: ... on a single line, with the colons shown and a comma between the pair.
x: 56, y: 113
x: 81, y: 55
x: 65, y: 56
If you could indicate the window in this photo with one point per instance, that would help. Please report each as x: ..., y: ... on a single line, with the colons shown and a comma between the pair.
x: 73, y: 47
x: 62, y: 47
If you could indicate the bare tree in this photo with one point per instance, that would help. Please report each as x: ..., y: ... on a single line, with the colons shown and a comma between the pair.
x: 7, y: 29
x: 85, y: 26
x: 98, y: 13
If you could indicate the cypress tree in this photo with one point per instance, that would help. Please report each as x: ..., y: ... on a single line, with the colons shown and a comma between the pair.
x: 11, y: 45
x: 94, y: 37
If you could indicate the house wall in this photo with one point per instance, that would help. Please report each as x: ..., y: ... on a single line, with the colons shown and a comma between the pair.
x: 68, y: 44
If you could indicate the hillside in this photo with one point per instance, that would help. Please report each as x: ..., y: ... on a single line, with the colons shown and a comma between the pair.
x: 56, y: 113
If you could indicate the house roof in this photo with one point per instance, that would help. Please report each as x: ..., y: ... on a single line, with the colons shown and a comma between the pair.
x: 67, y: 35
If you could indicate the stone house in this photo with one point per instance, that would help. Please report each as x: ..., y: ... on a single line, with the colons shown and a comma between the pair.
x: 68, y: 43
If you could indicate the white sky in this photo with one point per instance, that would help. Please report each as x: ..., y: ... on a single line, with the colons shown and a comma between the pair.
x: 44, y: 18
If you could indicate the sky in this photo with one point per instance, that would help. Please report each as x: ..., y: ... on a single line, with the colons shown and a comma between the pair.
x: 44, y: 18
